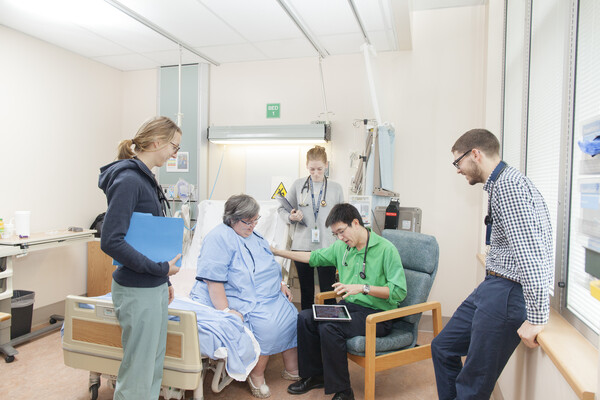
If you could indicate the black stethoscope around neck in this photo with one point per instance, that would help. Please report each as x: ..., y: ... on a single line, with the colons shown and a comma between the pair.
x: 362, y: 273
x: 488, y: 220
x: 307, y: 187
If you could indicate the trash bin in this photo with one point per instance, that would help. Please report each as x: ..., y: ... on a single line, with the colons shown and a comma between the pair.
x: 21, y: 308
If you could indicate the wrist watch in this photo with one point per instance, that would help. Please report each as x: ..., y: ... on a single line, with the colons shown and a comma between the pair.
x: 366, y: 289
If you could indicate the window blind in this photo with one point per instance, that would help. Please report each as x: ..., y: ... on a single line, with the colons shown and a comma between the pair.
x: 548, y: 32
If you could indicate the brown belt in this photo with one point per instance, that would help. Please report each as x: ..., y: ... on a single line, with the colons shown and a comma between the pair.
x: 488, y: 272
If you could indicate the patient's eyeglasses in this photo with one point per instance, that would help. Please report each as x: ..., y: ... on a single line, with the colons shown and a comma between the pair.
x: 459, y: 159
x: 339, y: 233
x: 251, y: 223
x: 176, y: 147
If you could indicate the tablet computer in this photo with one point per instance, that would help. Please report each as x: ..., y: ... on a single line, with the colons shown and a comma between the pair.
x: 326, y: 312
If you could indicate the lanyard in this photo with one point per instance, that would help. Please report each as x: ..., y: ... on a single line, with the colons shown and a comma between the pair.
x: 312, y: 194
x: 488, y: 219
x: 362, y: 274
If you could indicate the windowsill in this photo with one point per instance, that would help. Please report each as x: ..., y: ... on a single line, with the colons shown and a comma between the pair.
x: 571, y: 353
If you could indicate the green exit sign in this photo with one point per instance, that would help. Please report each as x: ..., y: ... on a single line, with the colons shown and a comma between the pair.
x: 273, y: 110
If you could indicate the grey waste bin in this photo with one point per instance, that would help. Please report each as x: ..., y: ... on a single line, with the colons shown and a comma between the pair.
x: 21, y: 308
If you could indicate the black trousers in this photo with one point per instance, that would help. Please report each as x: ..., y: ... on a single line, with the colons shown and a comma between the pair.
x: 322, y: 345
x: 306, y: 275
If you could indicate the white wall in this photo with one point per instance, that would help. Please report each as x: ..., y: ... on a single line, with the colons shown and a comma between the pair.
x: 531, y: 375
x: 431, y: 94
x: 62, y: 117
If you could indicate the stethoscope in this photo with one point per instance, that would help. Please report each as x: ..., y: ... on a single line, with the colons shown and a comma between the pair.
x: 308, y: 187
x: 362, y: 273
x: 164, y: 203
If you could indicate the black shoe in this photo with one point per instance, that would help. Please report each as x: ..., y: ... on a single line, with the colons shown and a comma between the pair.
x: 306, y: 384
x: 345, y: 395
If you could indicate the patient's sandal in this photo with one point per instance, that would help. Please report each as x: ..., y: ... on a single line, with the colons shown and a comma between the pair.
x: 261, y: 392
x: 289, y: 376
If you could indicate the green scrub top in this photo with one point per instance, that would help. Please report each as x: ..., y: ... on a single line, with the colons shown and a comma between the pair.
x: 384, y: 268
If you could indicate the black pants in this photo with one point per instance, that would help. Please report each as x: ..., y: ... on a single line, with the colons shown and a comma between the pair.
x: 306, y: 275
x: 322, y: 345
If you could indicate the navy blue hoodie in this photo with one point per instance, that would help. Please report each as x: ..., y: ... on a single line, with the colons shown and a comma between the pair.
x: 130, y: 186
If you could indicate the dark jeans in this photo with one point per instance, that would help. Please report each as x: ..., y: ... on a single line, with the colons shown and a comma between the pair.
x: 484, y: 328
x: 322, y: 345
x: 306, y: 275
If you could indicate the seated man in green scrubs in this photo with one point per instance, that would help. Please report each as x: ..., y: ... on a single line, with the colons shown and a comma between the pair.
x: 371, y: 280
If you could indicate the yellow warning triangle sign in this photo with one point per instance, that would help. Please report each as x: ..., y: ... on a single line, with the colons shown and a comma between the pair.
x: 280, y: 190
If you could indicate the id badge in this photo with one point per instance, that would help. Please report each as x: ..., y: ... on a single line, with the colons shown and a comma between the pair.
x: 314, y: 234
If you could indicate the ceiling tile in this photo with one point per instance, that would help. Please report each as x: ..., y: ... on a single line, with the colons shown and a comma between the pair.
x: 132, y: 35
x: 188, y: 20
x: 342, y: 44
x: 62, y: 33
x: 372, y: 14
x: 256, y: 20
x: 289, y: 48
x: 328, y: 17
x: 224, y: 30
x: 233, y: 53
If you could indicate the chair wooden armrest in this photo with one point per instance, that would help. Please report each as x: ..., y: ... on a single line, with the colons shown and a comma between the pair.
x: 395, y: 359
x: 321, y: 297
x: 433, y: 306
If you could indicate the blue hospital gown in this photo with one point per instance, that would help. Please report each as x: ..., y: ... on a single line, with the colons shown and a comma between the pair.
x: 252, y: 281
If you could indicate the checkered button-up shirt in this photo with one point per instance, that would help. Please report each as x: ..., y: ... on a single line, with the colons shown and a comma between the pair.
x: 521, y: 241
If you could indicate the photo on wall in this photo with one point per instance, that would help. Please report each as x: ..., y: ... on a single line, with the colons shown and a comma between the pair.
x: 179, y: 163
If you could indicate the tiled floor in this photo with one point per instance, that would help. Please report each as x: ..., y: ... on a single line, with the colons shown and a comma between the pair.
x: 39, y: 372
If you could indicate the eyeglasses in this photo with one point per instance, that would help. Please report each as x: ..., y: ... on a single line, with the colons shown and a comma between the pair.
x: 251, y: 223
x: 176, y: 147
x: 339, y: 233
x: 459, y: 159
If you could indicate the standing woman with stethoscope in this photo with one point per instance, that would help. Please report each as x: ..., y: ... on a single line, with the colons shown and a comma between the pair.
x: 312, y: 198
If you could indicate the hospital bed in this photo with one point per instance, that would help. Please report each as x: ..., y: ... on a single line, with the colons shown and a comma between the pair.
x: 92, y: 336
x: 92, y: 341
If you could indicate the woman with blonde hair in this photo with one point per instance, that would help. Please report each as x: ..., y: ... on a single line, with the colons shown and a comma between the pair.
x: 141, y: 291
x: 312, y: 198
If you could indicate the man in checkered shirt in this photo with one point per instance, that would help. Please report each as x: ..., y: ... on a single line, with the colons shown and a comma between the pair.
x: 512, y: 303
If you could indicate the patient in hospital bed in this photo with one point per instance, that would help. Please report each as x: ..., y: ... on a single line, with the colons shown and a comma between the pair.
x: 238, y: 276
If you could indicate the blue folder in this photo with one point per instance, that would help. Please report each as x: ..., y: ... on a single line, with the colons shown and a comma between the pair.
x: 158, y: 238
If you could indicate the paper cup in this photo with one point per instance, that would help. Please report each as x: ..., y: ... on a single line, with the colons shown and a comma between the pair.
x: 22, y: 220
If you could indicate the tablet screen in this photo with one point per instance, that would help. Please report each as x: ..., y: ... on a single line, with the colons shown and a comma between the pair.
x: 324, y: 312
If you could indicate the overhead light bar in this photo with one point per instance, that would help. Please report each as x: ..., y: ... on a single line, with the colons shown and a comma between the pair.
x: 158, y: 30
x: 296, y: 19
x: 359, y: 20
x: 270, y: 134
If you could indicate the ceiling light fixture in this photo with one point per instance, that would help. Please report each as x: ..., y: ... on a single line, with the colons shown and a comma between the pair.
x: 270, y: 134
x: 157, y: 29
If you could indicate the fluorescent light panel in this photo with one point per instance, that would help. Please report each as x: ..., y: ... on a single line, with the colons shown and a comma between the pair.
x: 270, y: 134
